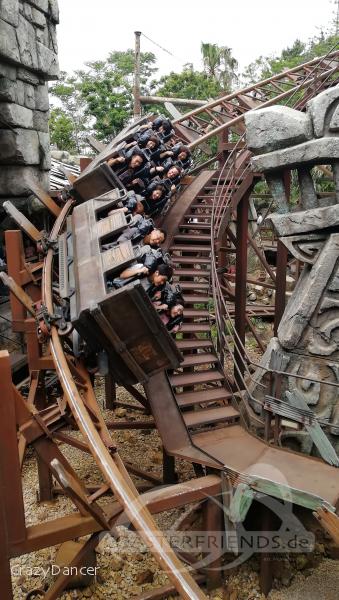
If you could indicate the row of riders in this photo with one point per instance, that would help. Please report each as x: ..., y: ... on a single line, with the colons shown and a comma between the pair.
x: 150, y: 167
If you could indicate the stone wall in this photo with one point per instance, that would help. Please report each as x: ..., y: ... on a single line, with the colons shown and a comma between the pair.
x: 306, y: 348
x: 28, y: 59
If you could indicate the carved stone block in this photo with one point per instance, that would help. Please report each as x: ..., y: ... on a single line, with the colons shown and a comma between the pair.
x: 276, y: 127
x: 14, y: 180
x: 19, y: 147
x: 9, y: 48
x: 305, y: 221
x: 16, y: 116
x: 9, y: 11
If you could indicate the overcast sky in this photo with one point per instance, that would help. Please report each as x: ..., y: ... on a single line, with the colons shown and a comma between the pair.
x: 90, y: 29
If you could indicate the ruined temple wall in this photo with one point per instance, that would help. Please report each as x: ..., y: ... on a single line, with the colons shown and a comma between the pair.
x: 28, y: 59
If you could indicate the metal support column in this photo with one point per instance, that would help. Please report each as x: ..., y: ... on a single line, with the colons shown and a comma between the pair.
x: 282, y: 257
x: 240, y: 286
x: 213, y: 526
x: 110, y: 391
x: 169, y: 474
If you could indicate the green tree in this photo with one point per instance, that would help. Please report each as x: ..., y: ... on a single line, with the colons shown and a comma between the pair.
x: 67, y: 91
x: 300, y: 52
x: 61, y: 129
x: 99, y: 99
x: 107, y: 89
x: 187, y: 84
x: 219, y: 64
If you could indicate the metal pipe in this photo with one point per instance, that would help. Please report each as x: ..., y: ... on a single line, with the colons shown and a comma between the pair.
x: 136, y: 91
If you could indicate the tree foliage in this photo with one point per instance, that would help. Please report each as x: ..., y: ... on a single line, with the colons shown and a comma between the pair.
x: 99, y: 98
x: 61, y: 129
x: 187, y: 84
x: 107, y: 89
x: 300, y: 52
x: 219, y: 64
x: 67, y: 91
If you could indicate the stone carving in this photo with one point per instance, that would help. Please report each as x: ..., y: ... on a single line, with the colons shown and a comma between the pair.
x: 308, y: 335
x: 28, y: 59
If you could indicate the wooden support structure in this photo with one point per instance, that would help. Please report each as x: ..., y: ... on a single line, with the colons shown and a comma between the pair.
x: 16, y: 538
x: 213, y: 525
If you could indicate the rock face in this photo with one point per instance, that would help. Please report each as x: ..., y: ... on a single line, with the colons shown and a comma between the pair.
x: 28, y: 59
x: 307, y: 344
x: 276, y: 127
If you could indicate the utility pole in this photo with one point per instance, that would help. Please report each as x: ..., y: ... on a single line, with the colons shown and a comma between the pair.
x: 336, y: 17
x: 136, y: 91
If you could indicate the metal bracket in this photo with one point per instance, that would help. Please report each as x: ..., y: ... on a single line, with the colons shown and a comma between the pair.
x: 45, y: 320
x: 240, y: 503
x: 46, y: 244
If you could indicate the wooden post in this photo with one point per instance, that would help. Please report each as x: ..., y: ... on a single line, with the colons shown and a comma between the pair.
x: 213, y: 526
x: 136, y: 91
x: 12, y: 515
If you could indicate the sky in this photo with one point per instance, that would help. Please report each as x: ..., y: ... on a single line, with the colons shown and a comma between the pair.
x: 91, y: 29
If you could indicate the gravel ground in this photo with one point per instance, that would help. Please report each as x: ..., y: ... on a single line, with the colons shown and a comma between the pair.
x: 126, y: 568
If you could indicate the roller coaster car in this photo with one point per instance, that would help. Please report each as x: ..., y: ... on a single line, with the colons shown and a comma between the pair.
x: 98, y: 177
x: 92, y: 182
x: 122, y: 322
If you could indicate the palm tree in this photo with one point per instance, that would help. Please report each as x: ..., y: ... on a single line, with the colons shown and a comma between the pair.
x: 229, y: 66
x: 211, y: 59
x: 219, y: 64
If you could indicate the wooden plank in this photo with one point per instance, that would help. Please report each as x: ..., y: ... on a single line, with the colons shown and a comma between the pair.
x: 24, y: 223
x: 45, y: 198
x: 329, y: 521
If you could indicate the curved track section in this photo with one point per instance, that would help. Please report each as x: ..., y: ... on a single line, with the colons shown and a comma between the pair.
x: 302, y: 82
x: 110, y: 464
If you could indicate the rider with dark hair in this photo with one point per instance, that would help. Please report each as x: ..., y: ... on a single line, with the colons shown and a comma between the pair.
x: 152, y: 279
x: 182, y: 155
x: 163, y: 127
x: 155, y: 196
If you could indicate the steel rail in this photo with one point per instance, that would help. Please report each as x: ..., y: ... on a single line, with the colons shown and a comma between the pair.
x: 254, y: 87
x: 110, y: 466
x: 310, y: 77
